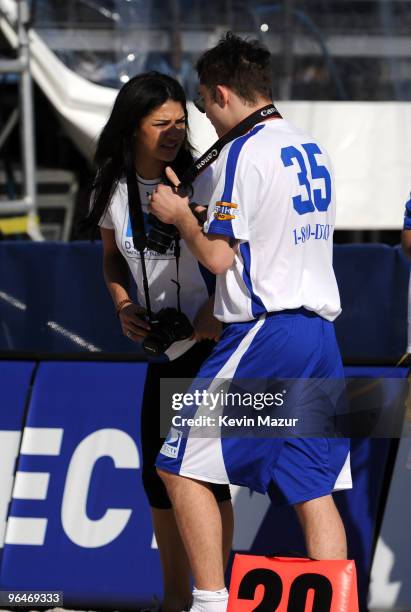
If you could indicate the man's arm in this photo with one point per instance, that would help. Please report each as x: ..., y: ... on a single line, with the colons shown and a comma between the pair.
x: 212, y: 250
x: 170, y: 206
x: 406, y: 232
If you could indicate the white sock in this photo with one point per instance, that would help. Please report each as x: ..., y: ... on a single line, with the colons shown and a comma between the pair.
x: 209, y: 601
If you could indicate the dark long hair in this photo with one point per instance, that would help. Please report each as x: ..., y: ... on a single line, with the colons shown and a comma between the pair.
x: 115, y: 152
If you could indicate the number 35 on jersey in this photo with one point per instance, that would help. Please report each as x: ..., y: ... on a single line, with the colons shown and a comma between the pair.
x: 315, y: 194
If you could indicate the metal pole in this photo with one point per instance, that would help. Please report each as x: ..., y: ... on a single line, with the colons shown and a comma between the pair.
x: 288, y: 59
x: 11, y: 66
x: 26, y: 105
x: 15, y: 207
x: 9, y: 127
x: 21, y: 66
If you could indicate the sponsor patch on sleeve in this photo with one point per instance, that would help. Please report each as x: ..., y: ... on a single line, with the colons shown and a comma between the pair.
x: 223, y: 211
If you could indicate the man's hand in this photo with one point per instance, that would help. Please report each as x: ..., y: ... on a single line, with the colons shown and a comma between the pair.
x: 132, y: 323
x: 200, y: 213
x: 206, y: 326
x: 169, y: 203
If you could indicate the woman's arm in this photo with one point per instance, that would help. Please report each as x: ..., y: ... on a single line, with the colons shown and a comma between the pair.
x: 117, y: 279
x: 115, y: 268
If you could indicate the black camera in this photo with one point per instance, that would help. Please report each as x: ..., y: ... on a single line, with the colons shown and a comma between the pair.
x: 161, y: 235
x: 167, y: 327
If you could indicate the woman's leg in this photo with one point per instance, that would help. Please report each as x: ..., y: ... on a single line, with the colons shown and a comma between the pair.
x: 227, y: 521
x: 174, y: 562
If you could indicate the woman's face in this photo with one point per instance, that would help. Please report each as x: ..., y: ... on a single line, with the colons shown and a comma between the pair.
x: 161, y: 133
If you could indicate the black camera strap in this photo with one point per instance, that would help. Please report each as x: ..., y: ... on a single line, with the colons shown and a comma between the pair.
x: 177, y: 251
x: 134, y: 201
x: 140, y: 239
x: 262, y: 114
x: 138, y: 230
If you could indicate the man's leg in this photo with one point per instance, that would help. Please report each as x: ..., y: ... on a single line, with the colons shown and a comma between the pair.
x: 323, y: 528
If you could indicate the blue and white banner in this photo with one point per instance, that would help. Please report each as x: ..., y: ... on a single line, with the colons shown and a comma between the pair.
x: 79, y: 521
x: 15, y: 380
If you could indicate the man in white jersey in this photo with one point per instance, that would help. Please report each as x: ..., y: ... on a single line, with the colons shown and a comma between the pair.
x: 406, y: 247
x: 268, y: 237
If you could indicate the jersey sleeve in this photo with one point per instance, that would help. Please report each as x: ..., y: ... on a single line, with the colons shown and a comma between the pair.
x: 407, y: 214
x: 106, y: 221
x: 233, y: 202
x: 203, y: 188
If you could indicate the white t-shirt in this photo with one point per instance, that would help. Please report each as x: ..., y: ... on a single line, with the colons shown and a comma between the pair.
x: 274, y: 194
x: 196, y: 282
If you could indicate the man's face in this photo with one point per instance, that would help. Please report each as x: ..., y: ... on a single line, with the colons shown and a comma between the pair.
x: 216, y: 111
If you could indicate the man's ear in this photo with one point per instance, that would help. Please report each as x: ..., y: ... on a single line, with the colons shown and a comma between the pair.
x: 221, y: 95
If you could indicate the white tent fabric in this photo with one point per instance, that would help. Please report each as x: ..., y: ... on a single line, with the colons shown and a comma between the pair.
x: 370, y: 147
x: 369, y: 142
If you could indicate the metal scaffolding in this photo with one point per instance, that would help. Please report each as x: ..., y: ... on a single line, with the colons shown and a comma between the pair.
x: 26, y: 205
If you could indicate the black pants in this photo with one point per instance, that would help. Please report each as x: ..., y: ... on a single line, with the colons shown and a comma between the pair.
x: 185, y: 366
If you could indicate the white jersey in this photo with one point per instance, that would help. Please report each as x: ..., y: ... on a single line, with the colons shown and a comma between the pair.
x: 196, y: 282
x: 274, y: 194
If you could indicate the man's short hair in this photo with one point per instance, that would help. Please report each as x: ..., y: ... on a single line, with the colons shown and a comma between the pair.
x: 242, y: 65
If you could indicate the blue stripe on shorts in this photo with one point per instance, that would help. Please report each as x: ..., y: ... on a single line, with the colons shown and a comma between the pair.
x: 289, y: 345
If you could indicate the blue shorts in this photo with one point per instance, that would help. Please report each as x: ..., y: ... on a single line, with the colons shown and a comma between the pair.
x: 290, y: 345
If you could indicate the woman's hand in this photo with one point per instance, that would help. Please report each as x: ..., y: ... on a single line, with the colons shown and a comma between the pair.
x: 206, y: 326
x: 133, y: 323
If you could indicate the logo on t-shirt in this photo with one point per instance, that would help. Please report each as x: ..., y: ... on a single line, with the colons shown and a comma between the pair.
x: 131, y: 251
x: 172, y: 443
x: 223, y: 211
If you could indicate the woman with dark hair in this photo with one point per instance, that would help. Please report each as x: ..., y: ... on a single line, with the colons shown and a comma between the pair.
x: 145, y: 133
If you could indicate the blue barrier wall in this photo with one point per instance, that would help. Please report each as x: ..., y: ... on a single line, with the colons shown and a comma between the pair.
x: 53, y: 300
x: 373, y: 281
x: 78, y: 520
